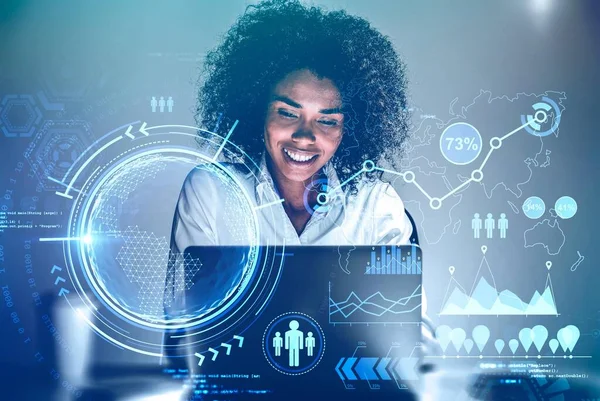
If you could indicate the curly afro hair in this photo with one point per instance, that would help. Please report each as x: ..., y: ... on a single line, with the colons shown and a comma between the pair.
x: 276, y: 37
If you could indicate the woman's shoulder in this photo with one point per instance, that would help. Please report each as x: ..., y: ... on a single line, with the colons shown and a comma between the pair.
x: 382, y: 212
x: 378, y: 193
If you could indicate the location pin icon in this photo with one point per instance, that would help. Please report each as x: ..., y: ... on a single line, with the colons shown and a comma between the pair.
x: 468, y: 344
x: 442, y: 334
x: 548, y: 265
x: 451, y: 270
x: 499, y: 344
x: 553, y: 345
x: 514, y: 344
x: 484, y: 249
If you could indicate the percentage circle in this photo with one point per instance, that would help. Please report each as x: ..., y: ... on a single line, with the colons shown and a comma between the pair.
x: 534, y: 207
x: 460, y: 143
x: 565, y: 207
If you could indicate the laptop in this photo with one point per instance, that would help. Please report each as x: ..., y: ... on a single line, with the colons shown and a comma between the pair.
x: 327, y: 322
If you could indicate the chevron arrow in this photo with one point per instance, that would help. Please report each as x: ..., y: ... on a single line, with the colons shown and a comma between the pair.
x: 390, y: 369
x: 337, y: 369
x: 240, y: 339
x: 143, y: 129
x: 405, y: 369
x: 58, y: 280
x: 347, y: 369
x: 63, y: 292
x: 128, y: 132
x: 381, y: 368
x: 365, y: 368
x: 228, y: 346
x: 201, y: 357
x: 55, y: 268
x: 215, y: 352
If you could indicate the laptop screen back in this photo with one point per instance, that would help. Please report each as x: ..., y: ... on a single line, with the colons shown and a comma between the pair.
x: 328, y: 320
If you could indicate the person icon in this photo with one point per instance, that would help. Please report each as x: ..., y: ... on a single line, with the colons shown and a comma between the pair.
x: 502, y: 225
x: 476, y: 225
x: 294, y: 342
x: 277, y: 343
x: 170, y: 104
x: 161, y: 104
x: 153, y: 104
x: 310, y: 343
x: 490, y: 224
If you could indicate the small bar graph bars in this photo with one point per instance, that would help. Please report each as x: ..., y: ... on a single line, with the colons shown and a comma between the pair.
x: 394, y: 260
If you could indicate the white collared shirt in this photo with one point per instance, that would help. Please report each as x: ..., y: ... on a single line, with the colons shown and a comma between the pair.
x: 211, y: 212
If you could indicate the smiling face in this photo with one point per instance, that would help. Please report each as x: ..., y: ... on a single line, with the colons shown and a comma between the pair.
x: 304, y: 125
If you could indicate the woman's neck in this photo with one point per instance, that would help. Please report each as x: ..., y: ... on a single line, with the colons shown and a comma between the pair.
x: 293, y: 194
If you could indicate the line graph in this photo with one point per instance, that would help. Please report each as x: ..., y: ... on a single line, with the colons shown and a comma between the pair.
x: 530, y: 124
x: 376, y: 308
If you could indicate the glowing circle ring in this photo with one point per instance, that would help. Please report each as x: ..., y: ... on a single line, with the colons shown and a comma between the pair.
x: 214, y: 328
x: 84, y: 229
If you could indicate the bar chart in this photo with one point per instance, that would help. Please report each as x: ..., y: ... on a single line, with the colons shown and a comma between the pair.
x: 394, y: 260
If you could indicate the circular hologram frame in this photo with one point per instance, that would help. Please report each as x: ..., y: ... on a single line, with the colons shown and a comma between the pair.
x: 323, y: 200
x: 540, y: 123
x: 118, y: 249
x: 126, y: 254
x: 294, y: 343
x: 460, y: 143
x: 534, y: 207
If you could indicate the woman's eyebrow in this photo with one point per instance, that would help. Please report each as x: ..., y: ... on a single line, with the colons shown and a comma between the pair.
x: 286, y: 100
x: 290, y: 102
x: 335, y: 110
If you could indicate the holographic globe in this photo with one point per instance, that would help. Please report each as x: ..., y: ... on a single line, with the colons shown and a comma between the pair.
x: 131, y: 263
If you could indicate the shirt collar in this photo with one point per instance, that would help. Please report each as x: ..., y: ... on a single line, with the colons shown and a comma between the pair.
x: 266, y: 191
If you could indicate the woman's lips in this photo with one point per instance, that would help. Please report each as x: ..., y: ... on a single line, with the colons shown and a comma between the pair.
x: 299, y: 158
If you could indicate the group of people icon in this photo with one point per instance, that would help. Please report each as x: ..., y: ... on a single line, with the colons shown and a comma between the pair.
x: 489, y: 224
x: 161, y: 103
x: 294, y: 341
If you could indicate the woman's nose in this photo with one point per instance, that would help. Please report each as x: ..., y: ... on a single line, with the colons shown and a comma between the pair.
x: 304, y: 132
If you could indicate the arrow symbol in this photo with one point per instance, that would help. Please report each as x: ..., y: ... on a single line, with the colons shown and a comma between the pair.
x: 128, y: 132
x: 366, y: 368
x: 63, y: 292
x: 337, y: 369
x: 228, y: 347
x: 405, y: 369
x: 240, y: 339
x: 58, y: 280
x: 347, y: 368
x: 201, y: 357
x: 55, y: 268
x: 143, y: 129
x: 215, y: 352
x: 381, y: 368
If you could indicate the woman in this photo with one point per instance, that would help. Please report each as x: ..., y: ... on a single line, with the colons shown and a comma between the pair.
x: 318, y: 96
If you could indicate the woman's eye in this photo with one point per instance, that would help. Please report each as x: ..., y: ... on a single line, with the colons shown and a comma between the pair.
x: 329, y: 123
x: 286, y: 113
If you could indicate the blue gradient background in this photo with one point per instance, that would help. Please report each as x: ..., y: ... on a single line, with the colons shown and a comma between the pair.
x: 119, y: 53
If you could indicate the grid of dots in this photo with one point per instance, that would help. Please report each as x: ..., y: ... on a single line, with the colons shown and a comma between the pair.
x: 112, y: 198
x: 144, y: 258
x: 107, y: 218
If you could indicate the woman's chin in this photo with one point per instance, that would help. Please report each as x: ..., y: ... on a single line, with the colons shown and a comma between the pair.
x: 299, y: 171
x: 299, y: 176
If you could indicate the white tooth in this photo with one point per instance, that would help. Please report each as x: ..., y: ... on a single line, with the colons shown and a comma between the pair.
x: 297, y: 157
